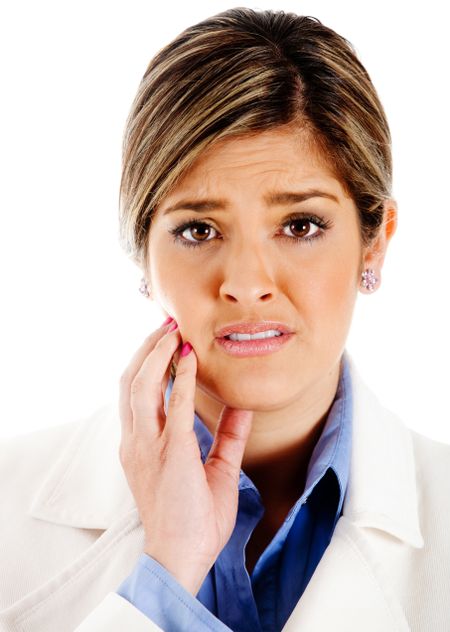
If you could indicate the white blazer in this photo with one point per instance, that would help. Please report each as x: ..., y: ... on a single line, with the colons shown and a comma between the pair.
x: 70, y: 532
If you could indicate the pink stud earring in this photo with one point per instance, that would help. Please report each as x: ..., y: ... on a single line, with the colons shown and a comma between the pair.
x: 144, y: 288
x: 368, y: 279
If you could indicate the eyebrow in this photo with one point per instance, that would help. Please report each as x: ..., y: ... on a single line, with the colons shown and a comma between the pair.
x: 275, y: 198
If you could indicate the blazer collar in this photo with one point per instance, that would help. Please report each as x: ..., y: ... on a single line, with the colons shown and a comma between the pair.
x: 86, y: 487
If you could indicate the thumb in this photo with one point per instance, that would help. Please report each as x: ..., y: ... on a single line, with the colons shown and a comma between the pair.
x: 227, y: 450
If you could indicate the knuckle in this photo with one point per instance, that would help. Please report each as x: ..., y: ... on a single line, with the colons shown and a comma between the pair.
x: 229, y: 434
x: 177, y: 399
x: 137, y: 385
x: 183, y: 369
x: 225, y: 467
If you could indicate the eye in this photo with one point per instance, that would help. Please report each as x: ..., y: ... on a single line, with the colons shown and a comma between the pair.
x: 199, y: 230
x: 301, y: 227
x: 194, y: 233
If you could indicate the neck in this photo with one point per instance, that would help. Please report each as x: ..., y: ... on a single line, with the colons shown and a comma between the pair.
x: 281, y: 473
x: 281, y: 441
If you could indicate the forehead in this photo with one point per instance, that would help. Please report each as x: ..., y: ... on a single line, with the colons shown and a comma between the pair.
x: 288, y: 152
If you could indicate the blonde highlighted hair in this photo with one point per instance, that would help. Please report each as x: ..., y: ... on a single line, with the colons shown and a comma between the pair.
x: 242, y: 72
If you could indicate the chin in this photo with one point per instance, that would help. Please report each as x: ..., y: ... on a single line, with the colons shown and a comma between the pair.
x: 253, y: 393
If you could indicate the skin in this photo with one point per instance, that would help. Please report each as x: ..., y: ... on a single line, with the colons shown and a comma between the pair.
x: 265, y: 412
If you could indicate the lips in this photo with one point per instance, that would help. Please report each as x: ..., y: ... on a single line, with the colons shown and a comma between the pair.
x: 252, y: 328
x: 247, y: 348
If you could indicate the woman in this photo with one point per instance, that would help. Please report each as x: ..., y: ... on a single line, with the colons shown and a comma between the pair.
x: 248, y: 478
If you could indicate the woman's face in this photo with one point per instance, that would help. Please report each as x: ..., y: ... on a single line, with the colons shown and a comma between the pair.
x: 253, y: 262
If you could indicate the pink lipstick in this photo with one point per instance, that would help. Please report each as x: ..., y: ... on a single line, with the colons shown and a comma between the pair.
x: 245, y: 348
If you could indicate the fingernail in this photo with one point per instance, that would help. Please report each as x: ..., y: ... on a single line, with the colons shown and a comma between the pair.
x: 168, y: 320
x: 172, y: 327
x: 185, y: 349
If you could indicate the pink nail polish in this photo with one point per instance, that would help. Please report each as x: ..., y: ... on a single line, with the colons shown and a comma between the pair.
x: 168, y: 320
x: 185, y: 349
x: 172, y: 327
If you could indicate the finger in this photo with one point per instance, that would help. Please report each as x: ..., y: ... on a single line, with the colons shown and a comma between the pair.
x: 130, y: 372
x: 168, y: 376
x: 180, y: 413
x: 145, y: 391
x: 227, y: 450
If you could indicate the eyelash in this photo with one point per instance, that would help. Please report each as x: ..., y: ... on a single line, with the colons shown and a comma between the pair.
x: 321, y: 223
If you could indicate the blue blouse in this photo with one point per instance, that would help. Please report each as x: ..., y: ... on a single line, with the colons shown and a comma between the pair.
x: 230, y: 598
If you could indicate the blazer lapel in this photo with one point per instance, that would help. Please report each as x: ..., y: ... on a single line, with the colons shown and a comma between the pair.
x: 86, y: 486
x: 353, y: 587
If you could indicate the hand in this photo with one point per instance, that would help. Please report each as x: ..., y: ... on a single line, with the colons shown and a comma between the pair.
x: 188, y: 510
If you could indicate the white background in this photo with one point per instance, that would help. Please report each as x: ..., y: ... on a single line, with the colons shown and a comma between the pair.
x: 71, y: 313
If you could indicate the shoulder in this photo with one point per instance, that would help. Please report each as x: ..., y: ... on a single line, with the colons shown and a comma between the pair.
x: 432, y: 461
x: 24, y: 457
x: 432, y: 468
x: 432, y: 458
x: 27, y: 460
x: 41, y: 491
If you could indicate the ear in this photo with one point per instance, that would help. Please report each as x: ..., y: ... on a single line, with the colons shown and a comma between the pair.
x: 373, y: 255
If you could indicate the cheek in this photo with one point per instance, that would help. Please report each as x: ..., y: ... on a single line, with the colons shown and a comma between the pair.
x: 172, y: 277
x: 325, y: 295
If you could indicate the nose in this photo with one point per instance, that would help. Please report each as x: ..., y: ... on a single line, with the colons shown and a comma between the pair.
x: 247, y: 278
